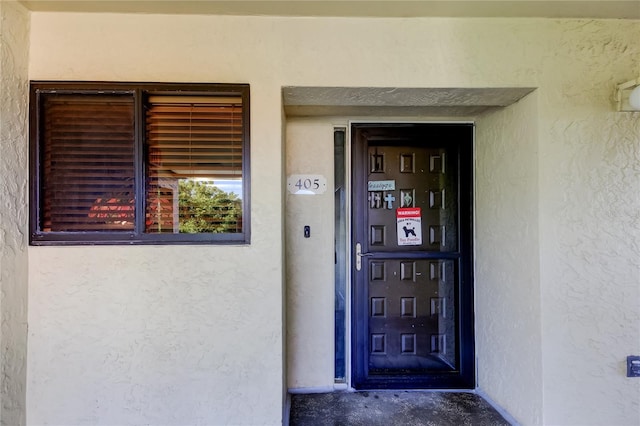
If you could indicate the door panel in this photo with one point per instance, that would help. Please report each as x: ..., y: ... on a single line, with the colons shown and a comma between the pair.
x: 411, y: 314
x: 412, y: 297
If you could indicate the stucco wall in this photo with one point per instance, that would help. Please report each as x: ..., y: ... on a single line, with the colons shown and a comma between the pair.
x: 310, y: 272
x: 135, y: 337
x: 140, y: 334
x: 172, y: 334
x: 589, y: 220
x: 507, y: 281
x: 14, y: 53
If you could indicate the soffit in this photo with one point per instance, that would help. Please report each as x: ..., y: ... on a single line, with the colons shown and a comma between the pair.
x: 401, y: 102
x: 599, y: 9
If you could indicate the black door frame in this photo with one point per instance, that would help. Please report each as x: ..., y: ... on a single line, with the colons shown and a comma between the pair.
x: 464, y: 376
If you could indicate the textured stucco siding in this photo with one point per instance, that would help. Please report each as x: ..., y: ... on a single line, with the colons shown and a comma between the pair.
x: 167, y: 335
x: 590, y: 269
x: 14, y: 51
x: 589, y: 163
x: 507, y: 280
x: 137, y: 338
x: 142, y: 334
x: 309, y: 261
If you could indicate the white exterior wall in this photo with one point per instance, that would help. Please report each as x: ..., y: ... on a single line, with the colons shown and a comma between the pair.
x: 310, y: 261
x: 194, y: 334
x: 14, y: 54
x: 507, y: 280
x: 589, y: 185
x: 167, y: 334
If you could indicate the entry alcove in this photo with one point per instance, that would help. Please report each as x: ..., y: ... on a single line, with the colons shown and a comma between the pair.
x: 506, y: 247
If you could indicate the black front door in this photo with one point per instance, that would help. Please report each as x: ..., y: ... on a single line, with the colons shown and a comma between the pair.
x: 412, y: 275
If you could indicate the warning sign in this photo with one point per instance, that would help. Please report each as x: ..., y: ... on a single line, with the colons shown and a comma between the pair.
x: 409, y: 226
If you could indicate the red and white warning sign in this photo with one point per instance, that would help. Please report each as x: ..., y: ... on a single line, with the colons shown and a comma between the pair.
x: 409, y: 226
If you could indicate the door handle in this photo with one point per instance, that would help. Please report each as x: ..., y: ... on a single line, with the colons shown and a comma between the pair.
x: 360, y: 255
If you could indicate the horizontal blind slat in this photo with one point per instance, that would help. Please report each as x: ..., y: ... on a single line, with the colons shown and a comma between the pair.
x: 88, y: 163
x: 186, y: 143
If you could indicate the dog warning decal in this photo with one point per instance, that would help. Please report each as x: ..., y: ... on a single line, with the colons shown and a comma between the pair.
x: 409, y: 226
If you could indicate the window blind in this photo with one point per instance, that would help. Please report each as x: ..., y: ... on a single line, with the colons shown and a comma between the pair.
x: 194, y: 146
x: 139, y: 163
x: 87, y: 163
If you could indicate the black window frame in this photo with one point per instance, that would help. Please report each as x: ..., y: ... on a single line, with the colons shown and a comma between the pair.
x: 139, y: 91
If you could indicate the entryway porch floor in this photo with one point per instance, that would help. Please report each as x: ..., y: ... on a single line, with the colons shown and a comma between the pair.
x: 390, y: 408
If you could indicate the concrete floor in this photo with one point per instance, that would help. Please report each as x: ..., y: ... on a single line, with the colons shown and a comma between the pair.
x: 406, y: 408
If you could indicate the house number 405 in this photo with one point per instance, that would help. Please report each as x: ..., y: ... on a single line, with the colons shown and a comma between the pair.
x: 306, y: 184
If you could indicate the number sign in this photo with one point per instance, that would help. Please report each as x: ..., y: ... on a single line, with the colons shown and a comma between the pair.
x: 307, y: 184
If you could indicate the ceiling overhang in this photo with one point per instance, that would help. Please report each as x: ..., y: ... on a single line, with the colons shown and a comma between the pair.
x: 395, y: 101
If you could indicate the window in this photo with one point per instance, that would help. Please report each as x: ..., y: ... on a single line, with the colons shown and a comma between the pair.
x: 126, y: 163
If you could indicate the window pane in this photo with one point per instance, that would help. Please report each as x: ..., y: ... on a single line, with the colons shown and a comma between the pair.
x: 340, y: 214
x: 194, y: 164
x: 87, y: 163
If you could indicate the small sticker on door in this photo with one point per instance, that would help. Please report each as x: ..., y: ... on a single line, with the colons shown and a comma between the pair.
x: 409, y: 224
x: 381, y: 185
